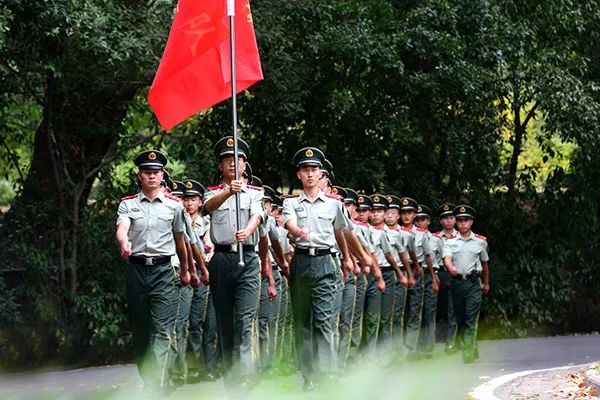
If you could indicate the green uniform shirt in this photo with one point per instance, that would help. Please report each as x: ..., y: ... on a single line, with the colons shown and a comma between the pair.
x: 363, y: 234
x: 436, y: 243
x: 223, y: 219
x: 396, y: 243
x: 152, y: 224
x: 422, y: 247
x: 467, y: 254
x: 381, y: 245
x: 321, y: 217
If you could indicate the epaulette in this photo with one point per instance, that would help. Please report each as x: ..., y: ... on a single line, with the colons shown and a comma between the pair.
x: 254, y: 187
x: 405, y: 229
x: 129, y: 196
x: 478, y: 236
x: 215, y: 187
x: 333, y: 196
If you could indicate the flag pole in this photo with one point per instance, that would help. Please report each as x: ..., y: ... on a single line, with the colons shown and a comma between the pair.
x: 231, y: 14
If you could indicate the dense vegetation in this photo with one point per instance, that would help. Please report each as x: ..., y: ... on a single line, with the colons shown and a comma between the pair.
x: 491, y: 102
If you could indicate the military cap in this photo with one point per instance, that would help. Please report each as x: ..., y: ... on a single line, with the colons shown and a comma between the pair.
x: 340, y: 191
x: 166, y: 180
x: 351, y: 196
x: 423, y: 211
x: 445, y: 210
x: 379, y: 201
x: 364, y: 201
x: 269, y: 193
x: 278, y: 201
x: 464, y: 210
x: 225, y: 147
x: 308, y: 155
x: 247, y: 172
x: 393, y: 201
x: 151, y: 159
x: 406, y: 203
x: 328, y: 169
x: 193, y: 188
x: 256, y: 181
x: 177, y: 188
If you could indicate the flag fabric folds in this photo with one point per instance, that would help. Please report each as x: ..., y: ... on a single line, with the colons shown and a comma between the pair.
x: 194, y: 72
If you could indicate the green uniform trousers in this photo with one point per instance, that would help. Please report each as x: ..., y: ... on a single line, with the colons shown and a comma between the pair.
x: 285, y: 336
x: 267, y: 322
x: 466, y: 296
x: 314, y: 285
x: 236, y: 291
x: 400, y: 293
x: 346, y: 319
x: 371, y: 316
x: 151, y: 304
x: 427, y: 337
x: 180, y: 333
x: 358, y: 317
x: 446, y: 308
x: 387, y: 308
x: 202, y: 337
x: 414, y: 313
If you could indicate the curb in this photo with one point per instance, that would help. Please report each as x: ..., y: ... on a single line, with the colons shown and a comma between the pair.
x: 593, y: 377
x: 486, y: 391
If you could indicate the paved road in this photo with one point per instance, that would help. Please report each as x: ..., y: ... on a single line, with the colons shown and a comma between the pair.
x: 441, y: 378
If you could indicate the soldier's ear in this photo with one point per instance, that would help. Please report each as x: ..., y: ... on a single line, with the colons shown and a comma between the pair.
x: 298, y: 174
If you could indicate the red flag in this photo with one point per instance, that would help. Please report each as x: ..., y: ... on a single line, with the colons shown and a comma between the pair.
x: 194, y: 72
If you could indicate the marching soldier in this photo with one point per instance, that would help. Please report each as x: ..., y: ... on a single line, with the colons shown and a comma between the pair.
x: 235, y: 288
x: 446, y: 309
x: 150, y: 230
x: 316, y: 221
x: 466, y: 258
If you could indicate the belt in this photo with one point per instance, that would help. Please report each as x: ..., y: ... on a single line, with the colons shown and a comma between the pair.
x: 386, y: 268
x: 150, y: 261
x: 467, y: 277
x: 312, y: 251
x: 233, y: 248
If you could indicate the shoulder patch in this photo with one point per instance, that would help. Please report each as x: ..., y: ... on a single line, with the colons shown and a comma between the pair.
x: 405, y: 229
x: 333, y: 196
x: 478, y: 236
x: 215, y: 187
x: 129, y: 196
x: 253, y: 187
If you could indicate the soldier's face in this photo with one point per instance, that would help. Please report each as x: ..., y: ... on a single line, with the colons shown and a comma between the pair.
x: 323, y: 183
x: 351, y: 207
x: 377, y: 216
x: 464, y: 224
x: 192, y: 204
x: 422, y: 222
x: 227, y: 166
x: 408, y: 216
x: 267, y: 206
x: 448, y: 222
x: 309, y: 175
x: 392, y: 216
x: 362, y: 215
x: 150, y: 178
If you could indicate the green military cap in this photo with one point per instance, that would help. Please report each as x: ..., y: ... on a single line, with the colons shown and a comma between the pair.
x: 328, y: 169
x: 423, y: 211
x: 351, y: 196
x: 393, y: 201
x: 151, y: 159
x: 379, y: 201
x: 269, y: 193
x: 177, y: 188
x: 278, y: 201
x: 340, y: 191
x: 193, y: 188
x: 247, y: 172
x: 464, y: 210
x: 444, y: 210
x: 406, y: 203
x: 225, y: 147
x: 308, y: 156
x: 255, y: 181
x: 364, y: 201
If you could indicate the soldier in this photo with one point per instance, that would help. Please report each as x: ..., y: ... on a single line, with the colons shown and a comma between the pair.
x: 466, y: 259
x: 316, y: 221
x: 150, y: 230
x: 235, y: 287
x: 445, y: 307
x: 430, y: 284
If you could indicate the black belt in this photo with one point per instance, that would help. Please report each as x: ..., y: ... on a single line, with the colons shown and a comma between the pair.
x: 471, y: 276
x: 312, y: 251
x: 150, y: 261
x: 386, y: 268
x: 233, y: 248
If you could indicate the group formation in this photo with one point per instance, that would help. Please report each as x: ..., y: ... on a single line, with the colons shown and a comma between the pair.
x: 237, y: 280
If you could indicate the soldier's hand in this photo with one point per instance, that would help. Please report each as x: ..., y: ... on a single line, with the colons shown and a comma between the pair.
x: 435, y: 286
x: 485, y: 288
x: 184, y: 277
x: 367, y: 260
x: 366, y: 270
x: 452, y: 270
x: 380, y: 284
x: 403, y: 281
x: 411, y: 282
x: 205, y: 277
x: 241, y: 235
x: 347, y: 265
x: 236, y: 186
x: 285, y: 268
x: 194, y: 280
x: 126, y: 250
x: 272, y: 291
x: 303, y: 234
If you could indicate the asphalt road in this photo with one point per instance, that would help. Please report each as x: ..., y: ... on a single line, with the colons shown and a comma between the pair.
x: 443, y: 377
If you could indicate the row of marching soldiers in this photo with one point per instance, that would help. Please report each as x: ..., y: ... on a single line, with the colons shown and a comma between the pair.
x: 238, y: 281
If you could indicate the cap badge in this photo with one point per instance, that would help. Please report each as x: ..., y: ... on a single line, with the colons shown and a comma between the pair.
x: 404, y: 202
x: 174, y: 185
x: 361, y: 199
x: 334, y: 190
x: 462, y: 209
x: 309, y: 153
x: 419, y: 209
x: 229, y: 142
x: 389, y: 199
x: 188, y: 185
x: 446, y: 207
x: 376, y: 198
x: 152, y: 155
